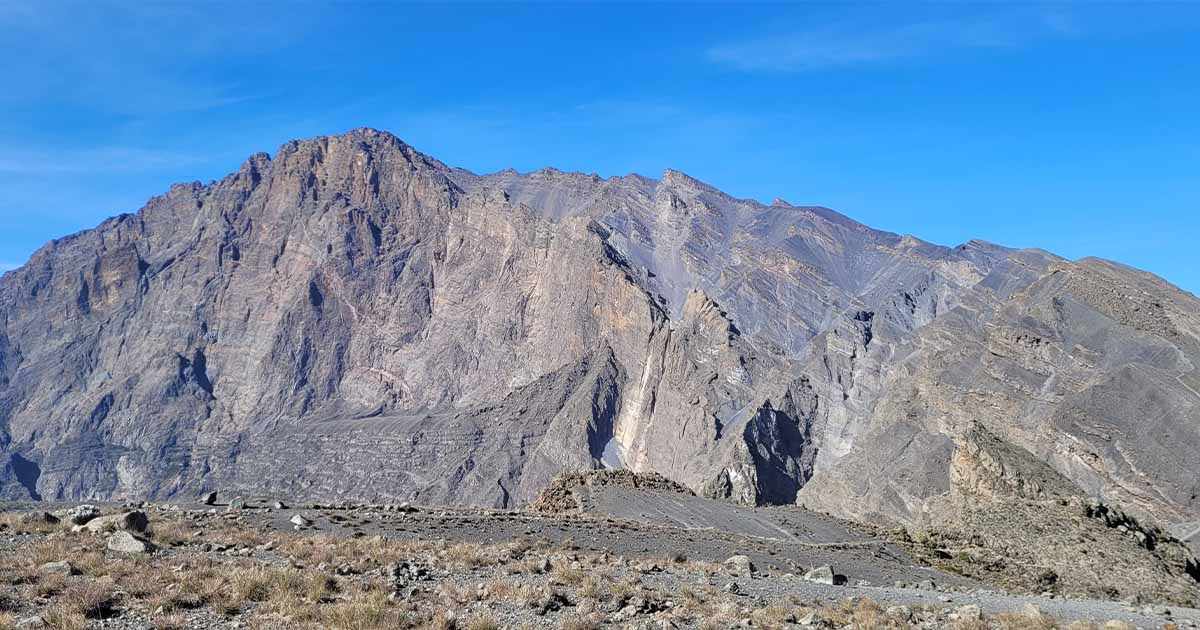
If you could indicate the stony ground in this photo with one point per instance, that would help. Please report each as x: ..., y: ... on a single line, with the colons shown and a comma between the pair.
x: 262, y: 564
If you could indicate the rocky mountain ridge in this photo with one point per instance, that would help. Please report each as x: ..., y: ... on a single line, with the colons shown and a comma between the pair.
x: 353, y: 318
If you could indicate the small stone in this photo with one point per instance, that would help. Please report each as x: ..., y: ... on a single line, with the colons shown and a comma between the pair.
x: 808, y: 620
x: 299, y: 521
x: 825, y: 575
x: 125, y: 542
x: 62, y: 567
x: 740, y: 566
x: 732, y: 588
x: 900, y: 612
x: 238, y: 503
x: 280, y: 505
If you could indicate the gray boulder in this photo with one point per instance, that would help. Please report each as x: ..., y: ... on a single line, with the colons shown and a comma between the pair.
x: 127, y: 543
x: 80, y: 514
x: 133, y: 521
x: 62, y: 567
x: 825, y: 575
x: 740, y: 566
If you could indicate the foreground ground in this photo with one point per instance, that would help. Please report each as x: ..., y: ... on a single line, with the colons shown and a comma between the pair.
x: 627, y: 559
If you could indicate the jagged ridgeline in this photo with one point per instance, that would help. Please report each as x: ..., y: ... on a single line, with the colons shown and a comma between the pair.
x: 351, y: 318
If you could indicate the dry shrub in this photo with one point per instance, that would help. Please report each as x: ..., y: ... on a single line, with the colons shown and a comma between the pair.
x: 482, y: 622
x: 169, y: 622
x: 92, y: 599
x: 364, y: 611
x: 595, y: 587
x: 567, y: 576
x: 774, y: 616
x: 580, y: 622
x: 27, y: 523
x: 60, y: 617
x: 868, y: 614
x: 443, y: 620
x: 50, y: 585
x: 1023, y: 621
x: 172, y: 533
x: 467, y: 556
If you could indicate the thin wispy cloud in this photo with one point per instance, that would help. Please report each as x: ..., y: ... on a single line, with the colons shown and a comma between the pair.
x: 97, y: 160
x: 851, y: 43
x: 125, y: 60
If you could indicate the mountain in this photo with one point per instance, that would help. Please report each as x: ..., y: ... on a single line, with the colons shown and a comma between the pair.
x: 351, y: 318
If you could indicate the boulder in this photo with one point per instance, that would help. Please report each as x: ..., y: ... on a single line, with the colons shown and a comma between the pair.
x: 81, y: 514
x: 970, y: 612
x: 740, y: 566
x: 134, y: 521
x: 125, y: 542
x: 61, y: 567
x: 238, y: 503
x: 299, y: 521
x: 825, y: 575
x: 209, y: 498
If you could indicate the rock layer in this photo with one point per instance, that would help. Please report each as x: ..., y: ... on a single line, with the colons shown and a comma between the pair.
x: 353, y: 318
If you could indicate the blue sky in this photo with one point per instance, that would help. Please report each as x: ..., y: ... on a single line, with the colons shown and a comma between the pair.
x: 1071, y: 127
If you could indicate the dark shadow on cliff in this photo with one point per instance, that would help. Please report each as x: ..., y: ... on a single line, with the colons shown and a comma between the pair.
x: 27, y: 473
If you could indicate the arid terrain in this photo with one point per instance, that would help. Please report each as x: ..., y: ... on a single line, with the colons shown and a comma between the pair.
x: 621, y: 556
x: 598, y: 391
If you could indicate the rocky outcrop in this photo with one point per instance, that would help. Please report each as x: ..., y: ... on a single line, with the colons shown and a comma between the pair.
x: 350, y: 317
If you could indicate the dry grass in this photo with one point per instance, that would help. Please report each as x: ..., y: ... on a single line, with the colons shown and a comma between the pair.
x: 580, y: 622
x: 482, y: 622
x: 91, y: 599
x: 169, y: 622
x: 567, y: 576
x: 294, y: 585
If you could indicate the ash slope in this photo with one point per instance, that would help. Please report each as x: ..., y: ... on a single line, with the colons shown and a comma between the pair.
x: 353, y: 318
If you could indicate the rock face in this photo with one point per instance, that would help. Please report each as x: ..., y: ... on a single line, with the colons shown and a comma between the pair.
x: 353, y: 318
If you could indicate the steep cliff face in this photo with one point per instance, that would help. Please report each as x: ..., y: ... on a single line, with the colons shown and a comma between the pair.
x: 353, y: 318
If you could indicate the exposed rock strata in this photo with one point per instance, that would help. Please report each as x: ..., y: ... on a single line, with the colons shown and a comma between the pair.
x: 353, y: 318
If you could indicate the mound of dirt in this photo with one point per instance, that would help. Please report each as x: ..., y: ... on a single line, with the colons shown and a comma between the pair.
x: 561, y: 497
